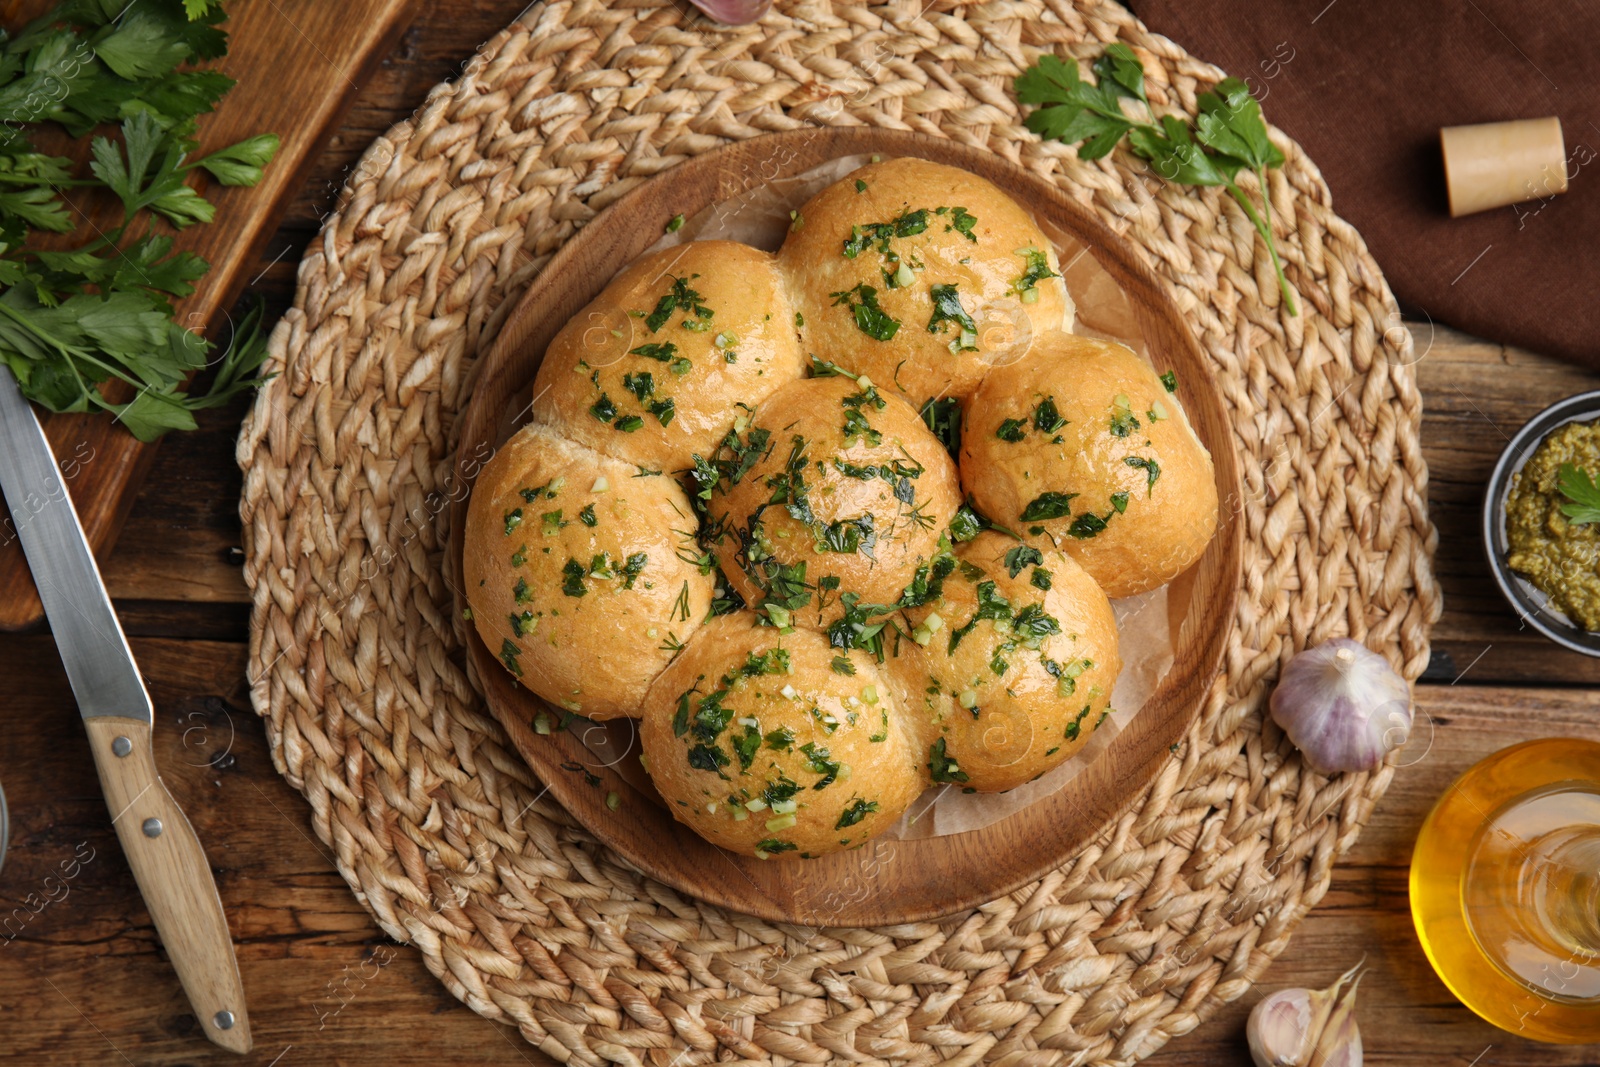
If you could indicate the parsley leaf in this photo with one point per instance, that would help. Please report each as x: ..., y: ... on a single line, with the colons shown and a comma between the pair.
x: 871, y: 319
x: 1579, y: 488
x: 1228, y: 135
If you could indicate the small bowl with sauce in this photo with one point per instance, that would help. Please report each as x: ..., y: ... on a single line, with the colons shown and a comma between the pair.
x: 1555, y: 585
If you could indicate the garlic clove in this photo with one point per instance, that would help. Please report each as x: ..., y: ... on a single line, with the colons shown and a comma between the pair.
x: 1340, y: 1042
x: 1343, y: 706
x: 1307, y: 1027
x: 1282, y: 1029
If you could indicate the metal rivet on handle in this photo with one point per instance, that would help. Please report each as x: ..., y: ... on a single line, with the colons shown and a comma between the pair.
x: 152, y: 827
x: 224, y: 1020
x: 121, y: 746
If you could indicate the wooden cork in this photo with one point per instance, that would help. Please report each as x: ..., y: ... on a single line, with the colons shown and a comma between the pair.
x: 1498, y: 163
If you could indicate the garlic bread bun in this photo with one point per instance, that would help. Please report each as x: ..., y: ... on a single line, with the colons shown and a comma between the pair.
x: 843, y: 481
x: 1082, y: 446
x: 1011, y: 667
x: 921, y: 276
x: 575, y: 573
x: 654, y: 369
x: 760, y: 745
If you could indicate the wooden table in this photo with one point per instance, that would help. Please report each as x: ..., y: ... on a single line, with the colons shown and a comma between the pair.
x: 83, y: 981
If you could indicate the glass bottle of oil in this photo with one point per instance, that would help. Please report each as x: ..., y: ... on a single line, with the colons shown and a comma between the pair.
x: 1505, y: 889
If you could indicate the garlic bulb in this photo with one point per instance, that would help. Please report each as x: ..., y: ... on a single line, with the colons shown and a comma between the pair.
x: 1307, y: 1027
x: 734, y: 12
x: 1343, y: 706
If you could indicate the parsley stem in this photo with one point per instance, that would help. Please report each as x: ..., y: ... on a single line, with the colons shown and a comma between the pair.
x: 1265, y: 230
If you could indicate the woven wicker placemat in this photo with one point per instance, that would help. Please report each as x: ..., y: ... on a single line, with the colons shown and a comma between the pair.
x: 441, y: 829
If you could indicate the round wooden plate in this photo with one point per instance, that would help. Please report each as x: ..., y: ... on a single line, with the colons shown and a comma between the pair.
x: 884, y: 882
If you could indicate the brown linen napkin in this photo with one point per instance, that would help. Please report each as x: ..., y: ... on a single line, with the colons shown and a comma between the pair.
x: 1365, y: 85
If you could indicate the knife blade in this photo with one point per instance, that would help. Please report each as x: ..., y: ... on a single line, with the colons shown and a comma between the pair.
x: 160, y: 844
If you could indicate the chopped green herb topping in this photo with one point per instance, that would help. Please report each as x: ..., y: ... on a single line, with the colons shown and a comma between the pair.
x: 855, y: 628
x: 1037, y: 270
x: 604, y: 409
x: 1086, y: 525
x: 745, y: 746
x: 663, y: 410
x: 820, y: 761
x: 1041, y: 579
x: 872, y: 320
x: 965, y: 525
x: 521, y: 593
x: 961, y: 222
x: 1048, y: 505
x: 1123, y: 421
x: 586, y: 516
x: 991, y: 605
x: 1152, y: 470
x: 679, y: 298
x: 642, y: 385
x: 1170, y: 380
x: 1012, y: 430
x: 711, y: 758
x: 858, y: 810
x: 572, y: 578
x: 1046, y: 419
x: 772, y: 845
x: 856, y: 426
x: 661, y: 352
x: 943, y: 418
x: 942, y: 767
x: 863, y: 237
x: 842, y: 665
x: 947, y: 308
x: 928, y: 582
x: 849, y: 536
x: 513, y: 520
x: 1020, y: 557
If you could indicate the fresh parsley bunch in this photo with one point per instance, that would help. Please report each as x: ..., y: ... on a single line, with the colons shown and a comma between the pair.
x: 1227, y: 136
x: 72, y: 319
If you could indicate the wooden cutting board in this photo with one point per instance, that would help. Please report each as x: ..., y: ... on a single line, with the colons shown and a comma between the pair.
x: 299, y: 65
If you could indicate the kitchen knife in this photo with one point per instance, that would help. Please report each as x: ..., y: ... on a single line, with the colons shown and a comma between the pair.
x: 160, y: 845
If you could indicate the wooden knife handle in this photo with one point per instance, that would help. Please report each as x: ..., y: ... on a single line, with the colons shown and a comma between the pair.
x: 171, y: 869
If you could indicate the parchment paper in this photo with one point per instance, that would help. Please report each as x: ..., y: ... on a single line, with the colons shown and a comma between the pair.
x: 757, y: 213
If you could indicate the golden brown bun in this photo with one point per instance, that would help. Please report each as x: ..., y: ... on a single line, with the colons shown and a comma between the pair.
x: 985, y: 269
x: 594, y: 653
x: 1107, y: 396
x: 595, y: 366
x: 1056, y: 650
x: 746, y: 720
x: 755, y: 532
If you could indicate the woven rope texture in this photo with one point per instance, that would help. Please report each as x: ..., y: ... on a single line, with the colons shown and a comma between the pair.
x: 443, y: 832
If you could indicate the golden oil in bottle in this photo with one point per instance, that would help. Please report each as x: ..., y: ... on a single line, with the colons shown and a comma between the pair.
x: 1505, y: 889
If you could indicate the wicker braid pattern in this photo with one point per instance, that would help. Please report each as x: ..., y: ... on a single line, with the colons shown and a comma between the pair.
x: 440, y: 828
